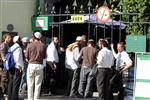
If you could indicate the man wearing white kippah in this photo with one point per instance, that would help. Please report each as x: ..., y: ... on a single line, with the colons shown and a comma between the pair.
x: 15, y: 73
x: 23, y: 84
x: 35, y: 53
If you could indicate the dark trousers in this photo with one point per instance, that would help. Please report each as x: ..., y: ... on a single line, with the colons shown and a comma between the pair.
x: 75, y: 82
x: 14, y: 83
x: 3, y: 80
x: 103, y: 86
x: 69, y: 81
x: 86, y: 82
x: 49, y: 85
x: 120, y: 86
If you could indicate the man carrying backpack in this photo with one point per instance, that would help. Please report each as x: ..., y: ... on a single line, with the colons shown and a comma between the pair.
x: 6, y: 39
x: 15, y: 72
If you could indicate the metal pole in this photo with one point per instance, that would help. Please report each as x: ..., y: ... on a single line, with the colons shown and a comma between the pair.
x: 104, y: 30
x: 112, y: 25
x: 120, y: 29
x: 96, y: 33
x: 89, y: 27
x: 42, y: 5
x: 60, y: 27
x: 37, y: 7
x: 144, y: 29
x: 52, y: 31
x: 62, y: 34
x: 112, y: 30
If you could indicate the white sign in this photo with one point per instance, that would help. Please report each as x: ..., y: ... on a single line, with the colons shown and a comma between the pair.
x: 39, y: 23
x: 142, y: 81
x: 103, y: 14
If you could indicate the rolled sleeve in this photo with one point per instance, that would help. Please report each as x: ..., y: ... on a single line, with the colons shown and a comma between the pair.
x: 127, y: 59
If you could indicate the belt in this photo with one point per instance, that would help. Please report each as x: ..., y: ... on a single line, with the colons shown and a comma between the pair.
x: 103, y: 68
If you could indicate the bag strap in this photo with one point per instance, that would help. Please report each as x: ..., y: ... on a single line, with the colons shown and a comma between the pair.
x: 14, y: 49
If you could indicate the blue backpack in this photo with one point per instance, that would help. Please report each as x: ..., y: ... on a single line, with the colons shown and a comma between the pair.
x: 9, y: 62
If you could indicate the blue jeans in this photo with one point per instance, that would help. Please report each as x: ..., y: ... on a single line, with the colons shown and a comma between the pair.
x: 86, y: 82
x: 23, y: 84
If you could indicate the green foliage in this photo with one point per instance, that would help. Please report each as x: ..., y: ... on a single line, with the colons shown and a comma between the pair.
x: 139, y: 8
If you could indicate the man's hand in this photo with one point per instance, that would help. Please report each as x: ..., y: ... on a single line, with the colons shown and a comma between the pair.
x: 112, y: 45
x: 55, y: 67
x: 20, y: 68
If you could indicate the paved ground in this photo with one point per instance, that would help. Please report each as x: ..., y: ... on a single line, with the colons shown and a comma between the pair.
x: 66, y: 98
x: 60, y: 97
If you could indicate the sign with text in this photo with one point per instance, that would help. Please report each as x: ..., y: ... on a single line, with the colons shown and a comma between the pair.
x: 135, y: 43
x: 77, y: 19
x: 142, y: 81
x: 40, y: 23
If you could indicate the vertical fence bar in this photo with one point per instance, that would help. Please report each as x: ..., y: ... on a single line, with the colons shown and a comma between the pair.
x: 89, y: 27
x: 112, y: 30
x: 120, y: 29
x: 104, y: 30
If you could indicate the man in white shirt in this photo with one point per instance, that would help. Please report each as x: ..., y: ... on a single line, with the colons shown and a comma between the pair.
x: 51, y: 68
x: 73, y: 67
x: 123, y: 63
x: 52, y: 52
x: 16, y: 73
x: 105, y: 60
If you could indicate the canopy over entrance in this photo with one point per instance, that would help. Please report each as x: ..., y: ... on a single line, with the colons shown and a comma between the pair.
x: 91, y: 18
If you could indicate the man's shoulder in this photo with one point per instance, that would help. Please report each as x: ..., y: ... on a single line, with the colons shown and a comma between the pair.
x: 3, y: 45
x: 42, y: 44
x: 51, y: 44
x: 15, y: 45
x: 94, y: 49
x: 124, y: 53
x: 84, y: 48
x: 36, y: 44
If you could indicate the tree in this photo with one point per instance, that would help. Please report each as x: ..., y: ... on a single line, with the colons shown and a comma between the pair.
x: 135, y: 13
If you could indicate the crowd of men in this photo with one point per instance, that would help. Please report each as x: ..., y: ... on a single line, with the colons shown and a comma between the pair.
x: 84, y: 64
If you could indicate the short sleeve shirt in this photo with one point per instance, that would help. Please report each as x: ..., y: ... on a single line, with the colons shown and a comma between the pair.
x: 124, y: 59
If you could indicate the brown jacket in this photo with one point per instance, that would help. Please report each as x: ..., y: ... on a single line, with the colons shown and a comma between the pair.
x: 3, y: 50
x: 36, y: 52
